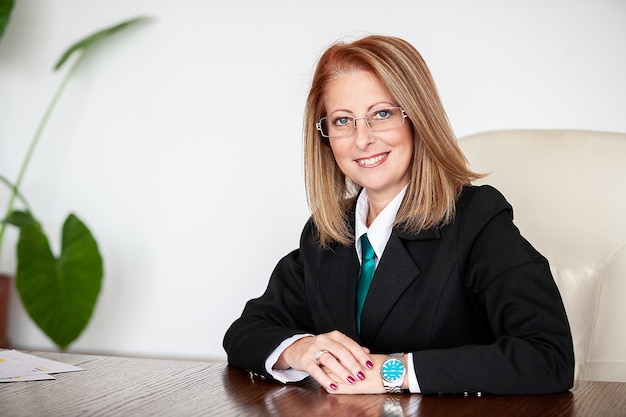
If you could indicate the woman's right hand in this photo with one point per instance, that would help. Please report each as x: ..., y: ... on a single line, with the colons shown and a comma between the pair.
x: 327, y: 354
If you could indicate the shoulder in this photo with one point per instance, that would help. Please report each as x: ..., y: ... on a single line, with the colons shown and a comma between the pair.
x: 483, y: 197
x: 477, y: 208
x: 310, y: 238
x: 481, y: 202
x: 310, y: 235
x: 474, y: 207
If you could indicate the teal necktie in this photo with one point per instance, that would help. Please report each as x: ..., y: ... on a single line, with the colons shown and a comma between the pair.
x: 368, y: 265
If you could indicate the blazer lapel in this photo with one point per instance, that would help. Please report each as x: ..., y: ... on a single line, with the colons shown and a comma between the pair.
x: 395, y: 272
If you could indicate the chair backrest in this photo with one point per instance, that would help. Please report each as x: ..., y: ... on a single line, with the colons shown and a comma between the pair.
x: 568, y: 191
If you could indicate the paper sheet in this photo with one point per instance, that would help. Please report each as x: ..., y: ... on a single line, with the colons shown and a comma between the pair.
x: 18, y: 366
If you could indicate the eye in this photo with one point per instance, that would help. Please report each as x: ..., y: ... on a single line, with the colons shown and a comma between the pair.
x: 383, y: 114
x: 341, y: 120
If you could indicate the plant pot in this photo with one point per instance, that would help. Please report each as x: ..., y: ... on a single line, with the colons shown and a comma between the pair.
x: 5, y: 286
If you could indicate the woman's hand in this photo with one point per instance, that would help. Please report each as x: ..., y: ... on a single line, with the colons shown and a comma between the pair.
x: 371, y: 384
x: 334, y: 360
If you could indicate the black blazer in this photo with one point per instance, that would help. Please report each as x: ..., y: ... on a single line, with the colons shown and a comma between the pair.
x: 473, y: 301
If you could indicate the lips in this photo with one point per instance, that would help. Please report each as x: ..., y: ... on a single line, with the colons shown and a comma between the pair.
x: 372, y: 161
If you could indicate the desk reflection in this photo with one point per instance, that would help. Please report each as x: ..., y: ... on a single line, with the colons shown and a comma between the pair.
x: 283, y: 402
x: 260, y: 397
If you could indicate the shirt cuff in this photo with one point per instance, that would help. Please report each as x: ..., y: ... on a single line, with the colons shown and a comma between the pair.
x: 414, y: 385
x: 285, y: 375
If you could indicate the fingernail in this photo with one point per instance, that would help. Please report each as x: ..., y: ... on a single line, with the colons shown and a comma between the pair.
x: 360, y: 375
x: 333, y: 386
x: 351, y: 380
x: 369, y: 364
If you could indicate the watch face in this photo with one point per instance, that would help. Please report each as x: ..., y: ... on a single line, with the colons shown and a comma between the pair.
x: 392, y: 370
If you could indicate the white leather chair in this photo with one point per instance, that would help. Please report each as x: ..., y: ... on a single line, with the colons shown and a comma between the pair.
x: 568, y: 191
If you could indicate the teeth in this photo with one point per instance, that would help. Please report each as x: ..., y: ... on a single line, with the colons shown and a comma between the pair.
x: 371, y: 161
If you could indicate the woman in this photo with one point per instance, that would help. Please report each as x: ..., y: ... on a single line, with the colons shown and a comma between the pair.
x: 459, y: 300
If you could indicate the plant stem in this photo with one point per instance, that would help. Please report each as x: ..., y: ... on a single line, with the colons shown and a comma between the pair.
x: 35, y: 141
x: 19, y: 195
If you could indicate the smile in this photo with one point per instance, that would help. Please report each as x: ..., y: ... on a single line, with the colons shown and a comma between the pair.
x: 373, y: 161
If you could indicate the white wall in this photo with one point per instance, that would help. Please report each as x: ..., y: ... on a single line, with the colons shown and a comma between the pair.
x: 180, y: 139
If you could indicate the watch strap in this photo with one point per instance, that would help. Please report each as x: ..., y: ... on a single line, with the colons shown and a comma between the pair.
x: 393, y: 390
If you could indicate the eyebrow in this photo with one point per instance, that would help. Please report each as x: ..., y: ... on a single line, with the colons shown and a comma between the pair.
x: 381, y: 104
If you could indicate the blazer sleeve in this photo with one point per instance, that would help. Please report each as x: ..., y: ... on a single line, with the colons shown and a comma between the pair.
x: 532, y: 350
x: 281, y: 312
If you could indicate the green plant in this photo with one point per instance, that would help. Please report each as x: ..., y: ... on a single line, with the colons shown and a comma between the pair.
x: 58, y: 292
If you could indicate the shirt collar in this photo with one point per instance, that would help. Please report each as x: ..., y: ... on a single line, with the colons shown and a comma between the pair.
x: 379, y: 231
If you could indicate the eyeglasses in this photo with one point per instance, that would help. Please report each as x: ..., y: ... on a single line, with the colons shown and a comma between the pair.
x: 377, y: 121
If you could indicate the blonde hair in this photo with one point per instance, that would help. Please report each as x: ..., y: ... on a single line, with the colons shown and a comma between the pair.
x: 439, y: 169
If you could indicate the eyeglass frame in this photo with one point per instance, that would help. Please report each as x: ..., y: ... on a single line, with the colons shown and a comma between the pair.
x: 318, y: 125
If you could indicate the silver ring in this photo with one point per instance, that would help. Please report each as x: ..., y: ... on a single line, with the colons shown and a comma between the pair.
x: 319, y: 354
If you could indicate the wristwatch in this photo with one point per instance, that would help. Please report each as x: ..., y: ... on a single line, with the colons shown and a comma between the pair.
x: 393, y: 372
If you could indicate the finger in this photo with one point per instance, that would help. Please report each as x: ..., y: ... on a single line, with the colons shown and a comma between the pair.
x: 372, y: 385
x: 348, y: 361
x: 331, y: 365
x: 327, y: 380
x: 358, y: 352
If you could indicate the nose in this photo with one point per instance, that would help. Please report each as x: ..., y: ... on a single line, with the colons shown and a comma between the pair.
x: 363, y: 134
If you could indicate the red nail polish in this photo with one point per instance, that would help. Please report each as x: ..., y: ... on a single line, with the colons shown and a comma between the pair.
x: 360, y: 375
x: 333, y: 386
x: 351, y: 380
x: 369, y: 364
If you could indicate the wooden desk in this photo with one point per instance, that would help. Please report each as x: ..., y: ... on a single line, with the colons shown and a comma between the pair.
x: 113, y: 386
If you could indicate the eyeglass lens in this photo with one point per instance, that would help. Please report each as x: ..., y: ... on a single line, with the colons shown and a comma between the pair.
x: 376, y: 120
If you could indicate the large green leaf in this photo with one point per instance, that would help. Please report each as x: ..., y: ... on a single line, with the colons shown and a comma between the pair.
x: 5, y: 12
x: 60, y: 293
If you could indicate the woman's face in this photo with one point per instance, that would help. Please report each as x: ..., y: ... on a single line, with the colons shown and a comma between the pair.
x: 378, y: 161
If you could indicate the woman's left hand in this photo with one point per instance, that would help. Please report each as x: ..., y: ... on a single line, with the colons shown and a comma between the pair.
x: 372, y: 384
